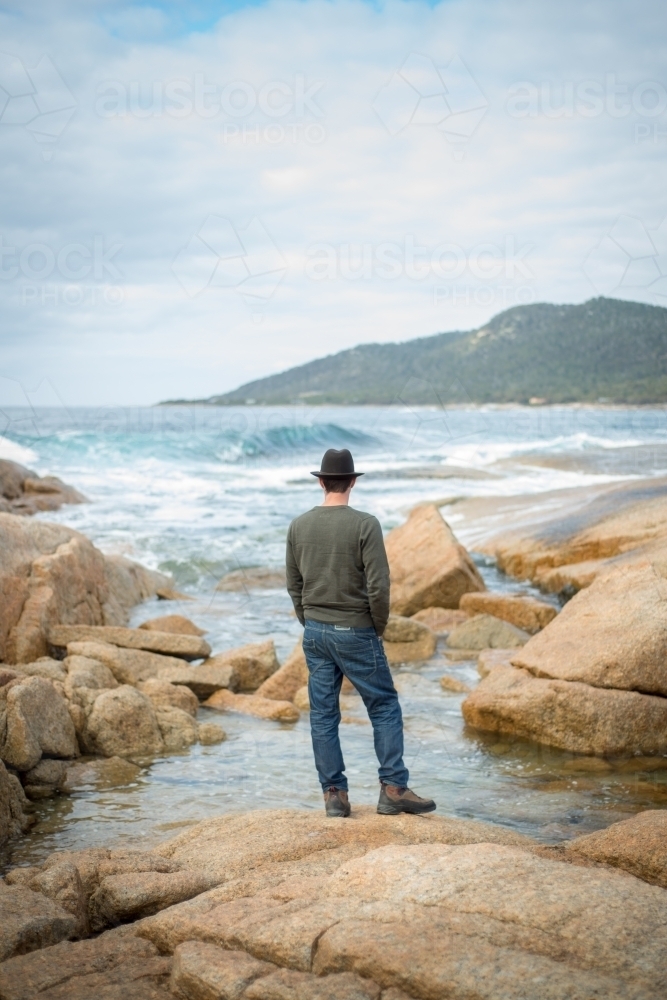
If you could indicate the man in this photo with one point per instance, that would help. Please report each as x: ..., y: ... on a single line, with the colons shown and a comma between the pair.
x: 338, y: 579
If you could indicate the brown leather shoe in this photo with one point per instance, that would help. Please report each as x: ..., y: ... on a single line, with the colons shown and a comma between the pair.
x: 394, y: 800
x: 336, y: 802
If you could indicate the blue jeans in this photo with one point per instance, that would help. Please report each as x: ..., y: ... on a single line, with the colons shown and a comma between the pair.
x: 333, y: 652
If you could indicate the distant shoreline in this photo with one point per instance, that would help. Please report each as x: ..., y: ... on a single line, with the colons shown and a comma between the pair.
x: 584, y: 404
x: 604, y: 351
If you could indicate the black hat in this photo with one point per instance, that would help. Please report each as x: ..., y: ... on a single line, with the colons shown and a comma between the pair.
x: 337, y: 465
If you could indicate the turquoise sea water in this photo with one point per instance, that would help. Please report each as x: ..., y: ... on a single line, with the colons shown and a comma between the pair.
x: 199, y: 492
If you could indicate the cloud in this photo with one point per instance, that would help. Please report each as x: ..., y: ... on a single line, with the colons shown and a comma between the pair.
x: 270, y: 118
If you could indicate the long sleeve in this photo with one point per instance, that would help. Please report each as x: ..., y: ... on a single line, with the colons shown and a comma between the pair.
x: 294, y: 579
x: 376, y: 568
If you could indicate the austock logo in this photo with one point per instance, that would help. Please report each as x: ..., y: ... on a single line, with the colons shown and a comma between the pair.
x: 630, y: 258
x: 445, y: 97
x: 38, y: 99
x: 220, y: 255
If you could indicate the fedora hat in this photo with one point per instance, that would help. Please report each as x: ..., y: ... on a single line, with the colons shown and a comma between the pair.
x: 336, y: 465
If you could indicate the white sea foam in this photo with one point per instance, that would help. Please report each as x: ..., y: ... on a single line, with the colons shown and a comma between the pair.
x: 15, y: 452
x: 484, y: 454
x: 206, y: 491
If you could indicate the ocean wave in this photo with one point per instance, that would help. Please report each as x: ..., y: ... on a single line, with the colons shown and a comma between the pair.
x: 301, y: 437
x: 488, y: 452
x: 15, y: 452
x: 109, y: 446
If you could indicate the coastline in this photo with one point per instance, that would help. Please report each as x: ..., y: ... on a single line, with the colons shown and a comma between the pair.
x: 148, y: 899
x: 308, y: 404
x: 290, y: 904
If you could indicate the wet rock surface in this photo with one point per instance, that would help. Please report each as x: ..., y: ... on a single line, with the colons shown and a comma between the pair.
x: 120, y: 898
x: 249, y: 665
x: 178, y: 728
x: 637, y: 845
x: 453, y: 684
x: 490, y: 658
x: 187, y: 647
x: 243, y: 848
x: 35, y: 722
x: 45, y: 778
x: 51, y: 574
x: 253, y: 704
x: 616, y: 524
x: 610, y: 635
x: 302, y: 699
x: 13, y: 806
x: 407, y: 640
x: 209, y: 734
x: 128, y: 666
x: 286, y: 681
x: 30, y: 920
x: 99, y: 888
x: 166, y: 695
x: 252, y: 578
x: 86, y: 672
x: 206, y: 970
x: 203, y: 680
x: 123, y: 722
x: 45, y: 666
x: 98, y: 772
x: 592, y: 680
x: 428, y: 566
x: 407, y: 911
x: 178, y: 624
x: 568, y: 715
x: 520, y: 610
x: 486, y: 920
x: 486, y: 632
x: 289, y: 904
x: 440, y: 620
x: 112, y: 967
x: 22, y: 491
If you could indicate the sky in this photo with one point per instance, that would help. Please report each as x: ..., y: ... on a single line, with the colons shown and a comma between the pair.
x: 197, y: 195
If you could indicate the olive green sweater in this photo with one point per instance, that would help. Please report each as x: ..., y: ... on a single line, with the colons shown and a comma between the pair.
x: 337, y: 569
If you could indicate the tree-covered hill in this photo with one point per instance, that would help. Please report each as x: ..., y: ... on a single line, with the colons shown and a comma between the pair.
x: 603, y: 350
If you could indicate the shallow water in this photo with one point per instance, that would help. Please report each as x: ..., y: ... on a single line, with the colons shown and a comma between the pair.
x: 200, y: 492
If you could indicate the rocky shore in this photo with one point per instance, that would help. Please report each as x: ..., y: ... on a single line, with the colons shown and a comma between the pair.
x: 593, y: 680
x: 22, y: 491
x: 288, y: 904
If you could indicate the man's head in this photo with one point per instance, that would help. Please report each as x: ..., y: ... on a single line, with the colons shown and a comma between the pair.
x: 337, y: 474
x: 338, y: 467
x: 342, y: 484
